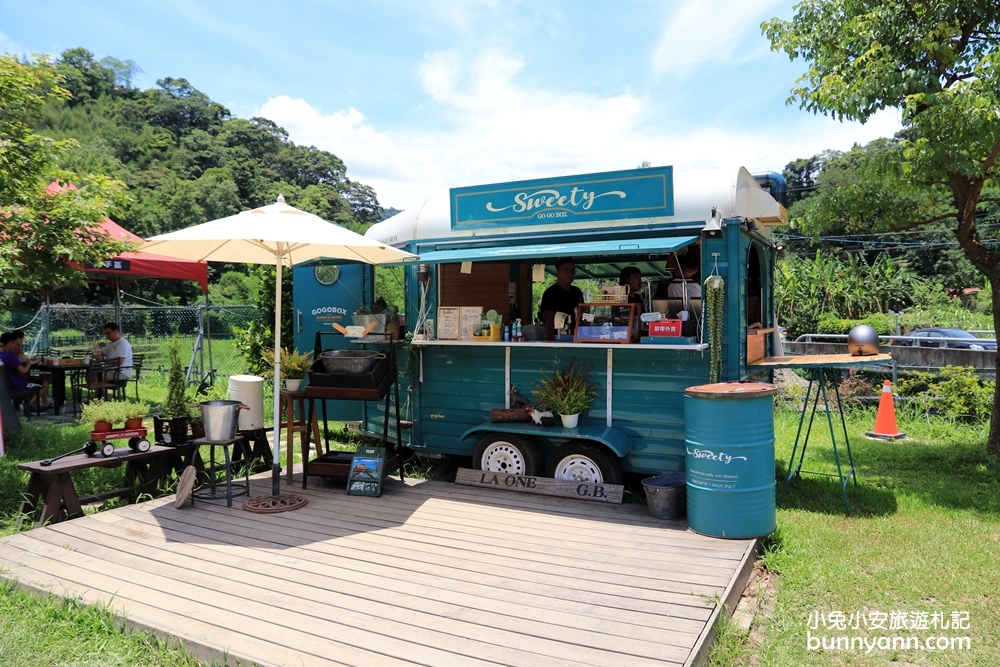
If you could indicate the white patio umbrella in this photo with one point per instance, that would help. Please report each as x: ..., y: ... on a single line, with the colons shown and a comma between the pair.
x: 276, y: 234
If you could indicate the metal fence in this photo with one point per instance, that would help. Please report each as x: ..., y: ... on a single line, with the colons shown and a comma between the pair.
x: 206, y: 335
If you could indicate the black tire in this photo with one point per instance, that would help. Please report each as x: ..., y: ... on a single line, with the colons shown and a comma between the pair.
x: 508, y: 453
x: 90, y: 448
x: 143, y: 445
x: 584, y: 461
x: 133, y: 444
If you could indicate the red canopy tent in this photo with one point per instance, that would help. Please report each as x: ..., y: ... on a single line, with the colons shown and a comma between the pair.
x: 131, y: 265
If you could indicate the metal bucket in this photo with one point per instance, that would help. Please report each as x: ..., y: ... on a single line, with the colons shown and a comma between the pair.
x: 349, y: 361
x: 221, y: 419
x: 729, y: 441
x: 666, y: 495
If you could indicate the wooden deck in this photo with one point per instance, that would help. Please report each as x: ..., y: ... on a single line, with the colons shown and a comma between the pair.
x: 429, y: 574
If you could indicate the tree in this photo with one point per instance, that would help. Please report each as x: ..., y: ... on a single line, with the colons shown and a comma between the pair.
x: 938, y: 63
x: 43, y: 226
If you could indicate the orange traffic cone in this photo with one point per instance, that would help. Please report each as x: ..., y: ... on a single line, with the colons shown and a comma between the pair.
x: 885, y: 420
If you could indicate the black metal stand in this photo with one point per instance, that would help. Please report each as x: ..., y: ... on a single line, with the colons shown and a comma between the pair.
x: 337, y: 464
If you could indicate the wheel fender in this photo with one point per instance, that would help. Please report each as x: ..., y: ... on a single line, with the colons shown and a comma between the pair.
x: 610, y: 437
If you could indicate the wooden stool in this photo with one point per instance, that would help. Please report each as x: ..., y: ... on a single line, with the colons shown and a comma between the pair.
x: 292, y: 401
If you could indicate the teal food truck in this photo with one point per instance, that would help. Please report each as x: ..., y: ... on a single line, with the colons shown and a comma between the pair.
x: 481, y: 252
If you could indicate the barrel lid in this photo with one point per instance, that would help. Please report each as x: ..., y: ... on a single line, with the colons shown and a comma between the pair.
x: 732, y: 390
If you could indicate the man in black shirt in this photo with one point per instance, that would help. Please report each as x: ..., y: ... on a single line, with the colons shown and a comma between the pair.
x: 562, y: 297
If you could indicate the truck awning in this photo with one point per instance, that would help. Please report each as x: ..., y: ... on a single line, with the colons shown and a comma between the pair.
x: 580, y: 252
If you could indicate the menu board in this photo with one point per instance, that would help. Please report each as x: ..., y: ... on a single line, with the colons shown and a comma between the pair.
x: 470, y: 321
x: 365, y: 478
x: 447, y: 323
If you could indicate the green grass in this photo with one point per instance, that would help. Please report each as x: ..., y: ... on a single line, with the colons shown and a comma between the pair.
x: 923, y: 536
x: 47, y: 630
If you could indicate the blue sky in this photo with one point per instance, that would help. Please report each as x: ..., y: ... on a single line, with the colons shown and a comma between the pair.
x: 423, y: 95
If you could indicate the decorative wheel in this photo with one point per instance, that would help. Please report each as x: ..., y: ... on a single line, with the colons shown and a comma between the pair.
x: 133, y: 444
x: 507, y: 453
x: 90, y: 448
x: 584, y: 461
x: 108, y: 449
x: 143, y: 445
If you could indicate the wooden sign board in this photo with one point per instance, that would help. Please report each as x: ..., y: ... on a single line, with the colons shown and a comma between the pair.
x: 545, y: 486
x: 365, y: 477
x: 447, y: 323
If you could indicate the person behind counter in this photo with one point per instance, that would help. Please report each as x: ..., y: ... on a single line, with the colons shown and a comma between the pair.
x: 563, y: 297
x: 687, y: 278
x: 632, y: 276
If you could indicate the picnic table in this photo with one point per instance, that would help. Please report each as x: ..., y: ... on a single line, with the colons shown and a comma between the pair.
x: 51, y: 495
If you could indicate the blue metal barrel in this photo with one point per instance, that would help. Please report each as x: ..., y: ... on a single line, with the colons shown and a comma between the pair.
x: 729, y: 438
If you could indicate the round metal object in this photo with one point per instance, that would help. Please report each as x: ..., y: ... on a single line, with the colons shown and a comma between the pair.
x: 349, y: 361
x: 583, y: 461
x: 275, y: 504
x: 326, y: 274
x: 862, y: 341
x: 507, y: 453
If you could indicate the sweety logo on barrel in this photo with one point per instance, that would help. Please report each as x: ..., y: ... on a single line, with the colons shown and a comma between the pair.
x: 722, y: 457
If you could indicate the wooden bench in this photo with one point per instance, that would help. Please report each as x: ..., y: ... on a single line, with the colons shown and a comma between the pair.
x: 51, y: 495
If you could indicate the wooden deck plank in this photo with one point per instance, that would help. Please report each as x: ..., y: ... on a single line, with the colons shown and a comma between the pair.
x: 687, y: 604
x: 430, y: 573
x: 355, y: 606
x: 413, y: 595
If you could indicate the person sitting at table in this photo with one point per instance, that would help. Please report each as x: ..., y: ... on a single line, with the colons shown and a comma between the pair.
x: 17, y: 371
x: 117, y: 349
x: 563, y: 297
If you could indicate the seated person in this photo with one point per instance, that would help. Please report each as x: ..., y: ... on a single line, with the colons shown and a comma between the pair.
x: 17, y: 371
x: 686, y: 268
x: 563, y: 297
x: 632, y: 276
x: 116, y: 350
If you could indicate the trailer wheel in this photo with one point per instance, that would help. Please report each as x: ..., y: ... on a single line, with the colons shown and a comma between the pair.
x: 508, y: 453
x: 584, y: 461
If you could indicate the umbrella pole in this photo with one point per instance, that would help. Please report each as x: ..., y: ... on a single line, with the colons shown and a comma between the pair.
x: 276, y: 465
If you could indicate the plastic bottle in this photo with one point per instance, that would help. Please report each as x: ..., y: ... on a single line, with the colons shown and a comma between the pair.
x: 506, y: 332
x: 517, y: 329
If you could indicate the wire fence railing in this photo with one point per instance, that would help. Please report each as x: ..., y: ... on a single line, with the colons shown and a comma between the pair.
x: 206, y: 335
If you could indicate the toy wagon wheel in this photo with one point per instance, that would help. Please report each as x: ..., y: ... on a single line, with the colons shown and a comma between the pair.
x: 143, y: 445
x: 133, y: 444
x: 90, y: 448
x: 108, y: 449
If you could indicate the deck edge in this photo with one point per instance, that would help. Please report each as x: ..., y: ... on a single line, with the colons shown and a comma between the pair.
x: 702, y: 646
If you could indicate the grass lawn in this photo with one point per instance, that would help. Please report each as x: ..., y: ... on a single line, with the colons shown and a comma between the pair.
x: 923, y: 538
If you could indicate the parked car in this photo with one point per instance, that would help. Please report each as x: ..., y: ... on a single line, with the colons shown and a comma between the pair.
x: 930, y: 338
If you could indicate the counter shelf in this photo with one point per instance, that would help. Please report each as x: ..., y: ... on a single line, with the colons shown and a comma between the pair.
x: 695, y: 347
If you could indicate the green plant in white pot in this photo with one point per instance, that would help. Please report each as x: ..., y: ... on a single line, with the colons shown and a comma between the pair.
x: 294, y: 366
x: 567, y: 392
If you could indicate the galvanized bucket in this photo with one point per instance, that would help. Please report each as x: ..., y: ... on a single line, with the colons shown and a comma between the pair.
x: 221, y: 419
x: 349, y: 361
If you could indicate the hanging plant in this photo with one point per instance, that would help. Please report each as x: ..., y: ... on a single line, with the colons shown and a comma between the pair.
x: 715, y: 291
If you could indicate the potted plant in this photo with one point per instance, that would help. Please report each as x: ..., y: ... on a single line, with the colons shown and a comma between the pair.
x: 102, y: 414
x: 567, y: 392
x: 294, y: 366
x: 171, y: 427
x: 133, y: 413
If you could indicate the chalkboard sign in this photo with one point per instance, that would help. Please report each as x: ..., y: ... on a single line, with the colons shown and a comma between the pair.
x: 447, y: 323
x: 365, y: 477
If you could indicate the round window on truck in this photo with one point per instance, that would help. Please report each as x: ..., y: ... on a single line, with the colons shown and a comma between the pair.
x: 584, y: 461
x: 508, y: 453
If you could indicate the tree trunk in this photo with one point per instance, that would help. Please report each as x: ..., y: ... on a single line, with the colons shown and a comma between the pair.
x: 966, y: 198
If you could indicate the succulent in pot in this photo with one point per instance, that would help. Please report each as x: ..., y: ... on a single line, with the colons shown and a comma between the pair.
x: 102, y: 414
x: 134, y: 413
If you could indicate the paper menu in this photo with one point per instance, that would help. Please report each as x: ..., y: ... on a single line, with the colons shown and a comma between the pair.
x: 470, y: 319
x: 447, y: 323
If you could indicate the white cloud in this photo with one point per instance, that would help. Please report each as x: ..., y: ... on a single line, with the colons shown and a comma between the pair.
x: 709, y: 31
x: 489, y: 128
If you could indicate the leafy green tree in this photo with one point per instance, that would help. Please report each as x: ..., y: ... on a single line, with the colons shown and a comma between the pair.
x: 85, y: 78
x: 45, y: 227
x: 938, y: 63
